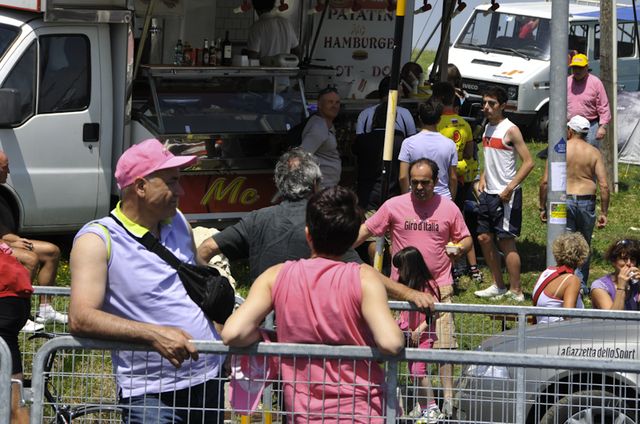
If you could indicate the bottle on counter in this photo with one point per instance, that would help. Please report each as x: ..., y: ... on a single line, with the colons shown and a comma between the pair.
x: 187, y: 59
x: 219, y: 52
x: 205, y: 53
x: 213, y: 60
x: 227, y: 50
x: 178, y: 53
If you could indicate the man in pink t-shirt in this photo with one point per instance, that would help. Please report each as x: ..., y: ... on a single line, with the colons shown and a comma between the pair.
x: 428, y: 222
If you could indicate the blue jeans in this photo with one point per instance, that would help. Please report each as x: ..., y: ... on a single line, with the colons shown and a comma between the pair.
x: 581, y: 218
x: 591, y: 135
x: 199, y: 404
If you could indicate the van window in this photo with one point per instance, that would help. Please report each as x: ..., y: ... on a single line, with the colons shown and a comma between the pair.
x: 515, y: 35
x: 578, y: 38
x: 65, y: 73
x: 626, y: 45
x: 23, y: 77
x: 7, y: 35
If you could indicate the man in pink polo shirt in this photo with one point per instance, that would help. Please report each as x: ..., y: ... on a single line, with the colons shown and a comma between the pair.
x: 426, y: 221
x: 586, y: 97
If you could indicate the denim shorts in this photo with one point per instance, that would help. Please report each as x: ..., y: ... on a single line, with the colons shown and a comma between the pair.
x: 203, y: 403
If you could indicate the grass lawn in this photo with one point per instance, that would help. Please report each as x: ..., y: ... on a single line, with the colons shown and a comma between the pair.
x: 623, y: 221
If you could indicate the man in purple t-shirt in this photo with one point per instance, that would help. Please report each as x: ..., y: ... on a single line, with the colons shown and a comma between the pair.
x: 430, y: 144
x: 428, y: 222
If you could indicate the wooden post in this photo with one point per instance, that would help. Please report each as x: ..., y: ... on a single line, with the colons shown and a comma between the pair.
x: 608, y: 58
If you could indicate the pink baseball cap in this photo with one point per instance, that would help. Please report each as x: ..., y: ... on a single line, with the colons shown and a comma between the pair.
x: 147, y: 157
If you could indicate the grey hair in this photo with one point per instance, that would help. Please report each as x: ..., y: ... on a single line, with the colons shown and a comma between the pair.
x: 297, y: 174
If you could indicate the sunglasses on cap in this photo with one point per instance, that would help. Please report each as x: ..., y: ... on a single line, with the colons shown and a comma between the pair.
x: 328, y: 89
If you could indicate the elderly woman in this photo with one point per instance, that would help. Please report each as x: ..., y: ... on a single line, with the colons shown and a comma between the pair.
x: 619, y: 290
x: 558, y: 286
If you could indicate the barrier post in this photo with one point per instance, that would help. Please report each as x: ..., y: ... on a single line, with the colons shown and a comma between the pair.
x: 5, y: 382
x: 392, y: 384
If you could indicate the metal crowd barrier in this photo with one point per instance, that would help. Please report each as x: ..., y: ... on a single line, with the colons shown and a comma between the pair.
x: 350, y: 354
x: 508, y: 399
x: 5, y: 382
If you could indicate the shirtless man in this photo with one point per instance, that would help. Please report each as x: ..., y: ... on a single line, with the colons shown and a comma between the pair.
x: 584, y: 166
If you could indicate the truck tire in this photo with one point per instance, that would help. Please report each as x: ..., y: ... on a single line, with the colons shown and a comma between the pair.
x: 591, y: 406
x: 541, y: 123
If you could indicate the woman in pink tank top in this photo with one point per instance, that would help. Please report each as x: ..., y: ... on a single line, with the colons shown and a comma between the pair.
x: 324, y: 301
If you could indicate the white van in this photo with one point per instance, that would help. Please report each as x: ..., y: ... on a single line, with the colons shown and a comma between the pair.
x: 511, y: 48
x: 69, y: 104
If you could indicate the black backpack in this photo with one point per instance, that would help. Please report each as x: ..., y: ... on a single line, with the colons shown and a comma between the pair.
x: 294, y: 135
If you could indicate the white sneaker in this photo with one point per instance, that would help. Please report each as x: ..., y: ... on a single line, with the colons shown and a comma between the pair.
x: 46, y: 313
x: 32, y: 327
x: 416, y: 412
x: 430, y: 415
x: 447, y: 408
x: 512, y: 296
x: 491, y: 292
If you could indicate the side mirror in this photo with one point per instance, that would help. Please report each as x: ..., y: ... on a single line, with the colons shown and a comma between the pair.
x: 9, y: 107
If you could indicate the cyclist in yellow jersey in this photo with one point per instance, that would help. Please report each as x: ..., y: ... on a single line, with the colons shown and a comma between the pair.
x: 454, y: 127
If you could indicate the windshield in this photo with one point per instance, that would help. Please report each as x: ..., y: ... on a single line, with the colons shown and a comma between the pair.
x: 517, y: 35
x: 7, y: 35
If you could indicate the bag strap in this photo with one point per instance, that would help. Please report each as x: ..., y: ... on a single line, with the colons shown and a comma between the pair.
x: 153, y: 245
x: 555, y: 274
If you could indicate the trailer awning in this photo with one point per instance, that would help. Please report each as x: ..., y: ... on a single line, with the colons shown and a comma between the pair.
x: 624, y: 13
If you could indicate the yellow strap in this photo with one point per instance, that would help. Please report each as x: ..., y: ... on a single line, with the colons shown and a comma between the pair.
x: 105, y: 230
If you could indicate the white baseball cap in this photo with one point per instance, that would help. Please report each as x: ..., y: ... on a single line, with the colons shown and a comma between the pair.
x: 579, y: 124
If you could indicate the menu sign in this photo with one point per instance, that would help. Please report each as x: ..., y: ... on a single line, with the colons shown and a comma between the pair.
x: 356, y: 38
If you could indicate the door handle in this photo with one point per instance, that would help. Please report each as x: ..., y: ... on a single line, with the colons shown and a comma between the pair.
x: 91, y: 132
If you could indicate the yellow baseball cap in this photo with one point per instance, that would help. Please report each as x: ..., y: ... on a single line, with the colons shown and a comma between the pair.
x: 579, y: 60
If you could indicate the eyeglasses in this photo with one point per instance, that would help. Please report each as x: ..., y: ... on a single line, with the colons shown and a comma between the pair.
x: 328, y: 89
x: 623, y: 242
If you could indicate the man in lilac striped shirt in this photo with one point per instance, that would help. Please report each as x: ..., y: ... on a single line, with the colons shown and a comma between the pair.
x: 586, y: 97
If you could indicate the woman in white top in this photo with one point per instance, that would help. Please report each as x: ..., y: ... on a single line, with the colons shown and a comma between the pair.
x: 558, y: 287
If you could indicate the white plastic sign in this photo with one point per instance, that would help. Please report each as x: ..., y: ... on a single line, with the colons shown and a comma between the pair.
x: 34, y: 5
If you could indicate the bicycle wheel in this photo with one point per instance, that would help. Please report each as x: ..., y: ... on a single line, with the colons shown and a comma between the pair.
x: 108, y: 414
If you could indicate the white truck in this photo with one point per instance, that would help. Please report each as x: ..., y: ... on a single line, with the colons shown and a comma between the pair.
x: 69, y: 105
x: 511, y: 47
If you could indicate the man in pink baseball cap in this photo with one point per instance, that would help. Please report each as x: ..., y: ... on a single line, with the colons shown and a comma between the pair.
x: 122, y: 291
x: 145, y: 158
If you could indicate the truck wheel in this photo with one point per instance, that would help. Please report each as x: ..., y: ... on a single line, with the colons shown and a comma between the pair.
x: 542, y: 125
x: 590, y: 406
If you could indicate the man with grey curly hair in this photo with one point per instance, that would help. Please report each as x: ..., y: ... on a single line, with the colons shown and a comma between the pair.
x: 274, y: 234
x: 297, y: 175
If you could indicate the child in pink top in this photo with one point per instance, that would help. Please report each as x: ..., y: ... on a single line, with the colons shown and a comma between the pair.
x: 419, y: 328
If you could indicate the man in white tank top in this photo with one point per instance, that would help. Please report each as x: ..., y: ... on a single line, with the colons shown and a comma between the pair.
x: 500, y: 203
